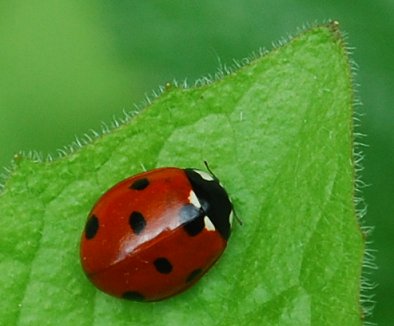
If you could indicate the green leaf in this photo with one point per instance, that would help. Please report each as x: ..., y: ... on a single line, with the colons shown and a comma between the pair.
x: 277, y: 132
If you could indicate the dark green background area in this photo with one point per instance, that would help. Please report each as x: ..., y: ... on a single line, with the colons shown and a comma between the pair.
x: 67, y: 66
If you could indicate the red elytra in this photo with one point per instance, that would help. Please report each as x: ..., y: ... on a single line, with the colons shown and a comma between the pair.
x: 155, y: 234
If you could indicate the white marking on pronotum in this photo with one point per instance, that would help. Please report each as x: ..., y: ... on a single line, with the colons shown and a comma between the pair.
x: 231, y: 217
x: 204, y: 175
x: 194, y: 200
x: 208, y: 224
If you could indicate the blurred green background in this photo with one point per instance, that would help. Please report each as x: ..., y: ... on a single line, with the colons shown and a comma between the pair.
x: 66, y: 66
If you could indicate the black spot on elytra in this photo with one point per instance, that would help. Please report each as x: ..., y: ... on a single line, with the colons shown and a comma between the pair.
x: 193, y: 275
x: 163, y: 265
x: 195, y: 226
x: 91, y: 227
x: 137, y: 222
x: 140, y: 184
x: 133, y: 295
x: 192, y: 219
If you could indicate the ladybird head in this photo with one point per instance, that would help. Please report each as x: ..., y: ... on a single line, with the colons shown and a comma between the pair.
x: 213, y: 200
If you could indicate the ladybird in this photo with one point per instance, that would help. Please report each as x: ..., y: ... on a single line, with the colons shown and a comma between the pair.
x: 155, y: 234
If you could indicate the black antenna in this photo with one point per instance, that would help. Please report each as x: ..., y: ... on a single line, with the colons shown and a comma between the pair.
x: 209, y: 170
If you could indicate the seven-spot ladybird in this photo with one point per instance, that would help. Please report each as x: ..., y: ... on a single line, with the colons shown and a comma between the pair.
x: 155, y: 234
